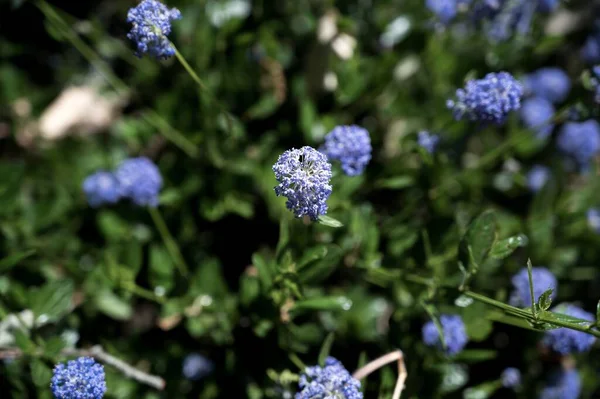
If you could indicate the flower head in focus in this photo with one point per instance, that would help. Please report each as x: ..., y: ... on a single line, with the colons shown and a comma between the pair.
x: 564, y: 384
x: 304, y: 179
x: 511, y: 377
x: 351, y: 145
x: 542, y: 278
x: 564, y: 340
x: 140, y: 180
x: 455, y: 334
x: 537, y: 178
x: 330, y: 382
x: 428, y: 141
x: 151, y: 22
x: 101, y: 188
x: 196, y: 366
x: 580, y: 141
x: 487, y: 100
x: 82, y: 378
x: 550, y: 83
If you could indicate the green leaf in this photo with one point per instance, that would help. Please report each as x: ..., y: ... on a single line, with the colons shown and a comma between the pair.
x: 161, y: 268
x: 11, y: 261
x: 503, y: 248
x: 53, y: 300
x: 545, y: 300
x: 40, y: 373
x: 481, y: 391
x: 329, y: 221
x: 112, y: 305
x: 531, y: 290
x: 53, y: 346
x: 478, y: 241
x: 395, y: 183
x: 311, y: 255
x: 265, y: 272
x: 326, y: 348
x: 476, y: 355
x: 335, y: 303
x: 23, y: 342
x: 319, y: 270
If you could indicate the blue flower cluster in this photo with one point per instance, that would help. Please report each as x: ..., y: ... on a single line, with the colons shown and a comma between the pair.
x: 593, y: 219
x: 487, y: 100
x: 82, y: 378
x: 511, y: 377
x: 595, y: 81
x: 537, y: 178
x: 196, y: 366
x: 455, y: 334
x: 499, y: 19
x: 137, y: 179
x: 101, y: 188
x: 151, y: 22
x: 542, y: 278
x: 304, y: 179
x: 428, y: 141
x: 580, y: 141
x: 565, y: 384
x: 565, y: 340
x: 351, y: 145
x: 550, y: 83
x: 331, y: 381
x: 536, y: 114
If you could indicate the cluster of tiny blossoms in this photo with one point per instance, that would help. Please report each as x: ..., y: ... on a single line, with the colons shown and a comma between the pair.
x: 151, y: 24
x: 487, y: 100
x: 137, y: 179
x: 328, y: 382
x: 82, y: 378
x: 455, y: 334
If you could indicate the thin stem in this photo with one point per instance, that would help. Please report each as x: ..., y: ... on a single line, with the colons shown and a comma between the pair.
x: 531, y: 291
x: 201, y: 84
x: 98, y: 353
x: 169, y: 241
x: 378, y: 363
x: 170, y: 133
x: 190, y: 70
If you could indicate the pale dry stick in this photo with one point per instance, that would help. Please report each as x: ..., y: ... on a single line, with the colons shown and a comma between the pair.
x: 378, y: 363
x: 99, y: 354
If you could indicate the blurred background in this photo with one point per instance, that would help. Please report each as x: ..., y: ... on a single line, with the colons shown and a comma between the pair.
x: 265, y: 290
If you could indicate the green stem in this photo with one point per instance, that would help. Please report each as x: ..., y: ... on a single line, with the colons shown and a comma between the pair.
x: 170, y: 133
x: 514, y: 311
x: 143, y: 293
x: 170, y: 243
x: 202, y: 86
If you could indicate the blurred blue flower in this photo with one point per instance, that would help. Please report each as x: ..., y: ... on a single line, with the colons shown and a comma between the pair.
x: 565, y: 384
x: 304, y: 178
x: 454, y: 330
x: 537, y: 177
x: 536, y: 114
x: 511, y: 377
x: 580, y: 141
x: 82, y: 378
x: 501, y: 19
x: 548, y: 5
x: 591, y: 49
x: 151, y: 22
x: 351, y: 145
x: 595, y: 81
x: 196, y: 366
x: 445, y: 10
x: 593, y: 218
x: 565, y: 340
x: 140, y: 181
x: 428, y: 141
x: 101, y: 188
x: 542, y: 278
x: 331, y: 381
x: 550, y: 83
x: 487, y: 100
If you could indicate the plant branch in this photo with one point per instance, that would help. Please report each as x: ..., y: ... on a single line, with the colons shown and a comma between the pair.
x: 168, y: 240
x: 378, y: 363
x: 101, y: 355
